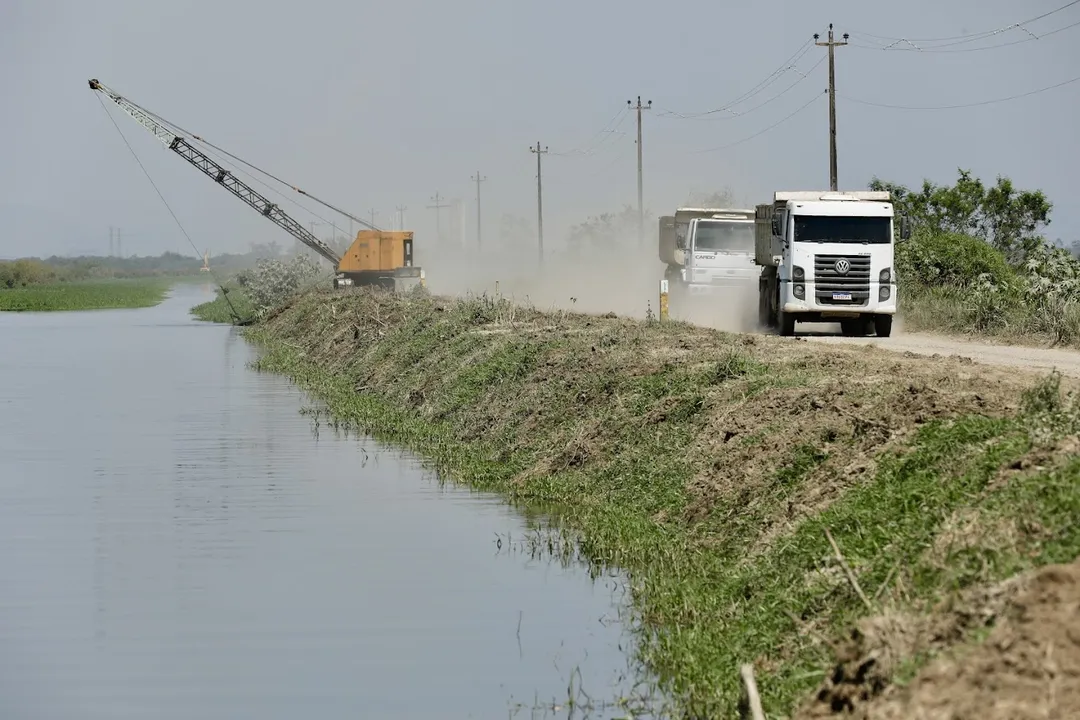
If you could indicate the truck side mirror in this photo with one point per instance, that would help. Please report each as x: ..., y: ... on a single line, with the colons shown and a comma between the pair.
x: 776, y: 225
x: 905, y: 227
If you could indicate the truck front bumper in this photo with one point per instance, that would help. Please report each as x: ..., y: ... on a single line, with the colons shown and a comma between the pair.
x: 881, y: 301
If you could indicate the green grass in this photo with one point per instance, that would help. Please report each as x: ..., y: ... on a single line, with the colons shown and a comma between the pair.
x: 87, y: 295
x: 957, y: 311
x: 697, y: 461
x: 219, y: 311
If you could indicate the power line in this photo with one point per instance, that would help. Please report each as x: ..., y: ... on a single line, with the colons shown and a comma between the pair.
x: 785, y: 91
x: 776, y: 124
x: 602, y: 134
x: 784, y: 67
x: 970, y: 37
x: 1030, y: 38
x: 963, y: 105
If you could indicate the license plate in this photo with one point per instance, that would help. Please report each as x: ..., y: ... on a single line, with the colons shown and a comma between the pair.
x: 841, y: 296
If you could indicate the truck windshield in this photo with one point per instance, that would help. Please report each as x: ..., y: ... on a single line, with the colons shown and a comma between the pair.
x: 716, y: 235
x: 842, y: 229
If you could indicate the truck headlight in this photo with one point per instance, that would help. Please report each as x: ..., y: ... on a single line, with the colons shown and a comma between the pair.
x: 799, y: 291
x: 797, y: 273
x: 885, y: 275
x: 884, y: 292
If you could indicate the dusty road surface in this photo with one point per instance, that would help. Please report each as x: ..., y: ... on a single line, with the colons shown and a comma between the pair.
x: 1041, y: 360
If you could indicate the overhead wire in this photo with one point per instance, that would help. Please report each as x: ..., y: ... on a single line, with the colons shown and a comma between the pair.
x: 785, y: 91
x: 183, y: 230
x: 602, y: 134
x: 764, y: 130
x: 944, y: 42
x: 963, y: 105
x: 776, y: 74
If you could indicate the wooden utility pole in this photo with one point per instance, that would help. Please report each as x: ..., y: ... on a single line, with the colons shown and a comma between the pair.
x: 831, y: 45
x: 437, y: 207
x: 640, y: 206
x: 401, y: 216
x: 477, y: 179
x: 539, y: 200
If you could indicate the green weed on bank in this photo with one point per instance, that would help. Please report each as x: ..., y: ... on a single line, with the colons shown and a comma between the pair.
x: 88, y: 295
x: 524, y: 403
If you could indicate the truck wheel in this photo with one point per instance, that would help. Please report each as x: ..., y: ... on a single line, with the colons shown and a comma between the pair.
x: 858, y: 327
x: 786, y: 323
x: 883, y: 325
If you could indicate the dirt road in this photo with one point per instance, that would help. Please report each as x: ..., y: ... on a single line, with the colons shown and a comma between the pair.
x: 1041, y: 360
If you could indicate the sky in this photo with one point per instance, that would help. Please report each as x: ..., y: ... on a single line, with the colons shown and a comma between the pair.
x: 375, y: 105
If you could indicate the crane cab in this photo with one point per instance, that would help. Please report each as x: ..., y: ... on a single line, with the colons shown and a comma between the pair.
x: 382, y: 259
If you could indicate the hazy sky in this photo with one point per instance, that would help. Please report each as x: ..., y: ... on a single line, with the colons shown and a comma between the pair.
x: 374, y: 105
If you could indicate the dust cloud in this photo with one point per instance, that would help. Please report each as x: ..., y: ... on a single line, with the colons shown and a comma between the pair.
x: 625, y: 281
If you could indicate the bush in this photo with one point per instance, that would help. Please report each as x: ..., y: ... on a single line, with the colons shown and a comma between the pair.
x: 272, y: 282
x: 947, y: 258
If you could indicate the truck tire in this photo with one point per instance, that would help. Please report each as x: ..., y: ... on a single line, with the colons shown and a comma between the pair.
x: 883, y: 325
x: 786, y: 322
x: 858, y: 327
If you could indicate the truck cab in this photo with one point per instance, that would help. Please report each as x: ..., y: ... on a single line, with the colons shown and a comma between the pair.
x: 827, y: 256
x: 721, y: 253
x: 708, y: 248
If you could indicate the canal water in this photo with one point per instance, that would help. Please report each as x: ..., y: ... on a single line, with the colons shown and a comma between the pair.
x: 177, y: 542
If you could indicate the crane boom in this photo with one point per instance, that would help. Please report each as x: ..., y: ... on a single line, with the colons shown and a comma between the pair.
x: 219, y: 174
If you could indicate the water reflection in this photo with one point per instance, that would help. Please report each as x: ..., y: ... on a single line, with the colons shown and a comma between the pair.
x: 174, y: 543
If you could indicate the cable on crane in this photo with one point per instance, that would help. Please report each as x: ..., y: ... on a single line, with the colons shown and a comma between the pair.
x: 224, y: 292
x: 240, y: 160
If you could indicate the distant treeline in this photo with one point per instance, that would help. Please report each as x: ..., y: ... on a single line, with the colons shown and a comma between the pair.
x: 40, y: 271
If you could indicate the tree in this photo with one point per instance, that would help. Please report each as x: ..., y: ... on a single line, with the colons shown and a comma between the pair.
x: 607, y: 231
x: 1007, y: 218
x: 715, y: 199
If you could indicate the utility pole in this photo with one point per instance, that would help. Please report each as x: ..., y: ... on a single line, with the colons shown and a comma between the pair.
x: 640, y: 203
x: 401, y: 216
x: 831, y: 45
x: 477, y: 179
x: 437, y: 207
x: 119, y: 250
x: 112, y: 246
x: 373, y: 214
x: 539, y: 200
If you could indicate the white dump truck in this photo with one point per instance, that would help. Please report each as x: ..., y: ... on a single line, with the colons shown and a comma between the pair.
x: 707, y: 248
x: 827, y: 256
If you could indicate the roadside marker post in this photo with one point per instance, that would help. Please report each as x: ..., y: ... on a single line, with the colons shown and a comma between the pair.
x: 663, y: 300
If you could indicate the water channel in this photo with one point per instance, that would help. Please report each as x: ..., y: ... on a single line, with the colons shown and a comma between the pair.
x: 175, y: 542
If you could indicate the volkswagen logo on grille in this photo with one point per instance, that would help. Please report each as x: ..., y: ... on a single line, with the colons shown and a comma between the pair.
x: 842, y: 266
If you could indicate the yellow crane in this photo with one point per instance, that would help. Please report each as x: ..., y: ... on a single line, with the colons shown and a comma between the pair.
x: 376, y: 257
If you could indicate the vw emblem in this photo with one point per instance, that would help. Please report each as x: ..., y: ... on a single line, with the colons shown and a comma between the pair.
x: 842, y: 266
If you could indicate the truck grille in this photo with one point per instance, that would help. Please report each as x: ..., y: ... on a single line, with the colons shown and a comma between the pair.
x: 832, y: 287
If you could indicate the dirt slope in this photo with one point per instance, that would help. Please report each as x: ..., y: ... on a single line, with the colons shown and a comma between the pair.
x: 1028, y: 668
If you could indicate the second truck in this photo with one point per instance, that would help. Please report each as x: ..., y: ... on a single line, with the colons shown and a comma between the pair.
x: 827, y: 256
x: 706, y: 250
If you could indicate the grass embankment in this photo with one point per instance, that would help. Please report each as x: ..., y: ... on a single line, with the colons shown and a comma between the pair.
x: 86, y: 295
x: 713, y: 468
x: 218, y: 310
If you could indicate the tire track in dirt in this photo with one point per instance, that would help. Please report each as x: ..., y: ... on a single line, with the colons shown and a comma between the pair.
x: 1034, y: 359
